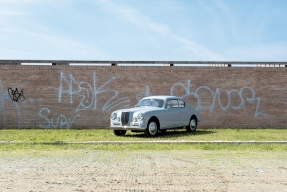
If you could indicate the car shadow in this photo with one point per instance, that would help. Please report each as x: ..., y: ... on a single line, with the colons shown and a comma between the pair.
x: 170, y: 133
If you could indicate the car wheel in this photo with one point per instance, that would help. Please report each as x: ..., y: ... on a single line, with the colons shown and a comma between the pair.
x: 152, y: 128
x: 119, y: 132
x: 192, y: 124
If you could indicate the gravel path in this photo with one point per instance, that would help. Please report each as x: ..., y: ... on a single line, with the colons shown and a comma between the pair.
x: 185, y: 170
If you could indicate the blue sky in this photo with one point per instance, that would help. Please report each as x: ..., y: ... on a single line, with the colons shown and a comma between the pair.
x: 192, y: 30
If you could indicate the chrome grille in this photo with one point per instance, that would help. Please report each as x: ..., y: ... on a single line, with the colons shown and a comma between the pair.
x: 125, y: 118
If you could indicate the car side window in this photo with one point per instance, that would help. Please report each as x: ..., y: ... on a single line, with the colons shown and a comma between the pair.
x: 181, y: 103
x: 173, y: 103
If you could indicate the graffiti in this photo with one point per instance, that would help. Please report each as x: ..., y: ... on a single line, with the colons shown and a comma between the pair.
x: 61, y: 122
x: 216, y: 97
x: 89, y: 94
x: 146, y: 93
x: 15, y: 95
x: 4, y: 96
x: 101, y: 96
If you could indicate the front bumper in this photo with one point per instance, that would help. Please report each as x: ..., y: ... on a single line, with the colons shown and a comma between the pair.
x: 132, y: 126
x: 127, y: 128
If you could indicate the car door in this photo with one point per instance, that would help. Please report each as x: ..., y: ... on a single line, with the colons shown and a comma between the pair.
x: 173, y: 113
x: 184, y: 114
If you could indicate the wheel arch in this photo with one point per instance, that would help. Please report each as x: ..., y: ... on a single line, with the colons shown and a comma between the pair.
x: 154, y: 117
x: 194, y: 117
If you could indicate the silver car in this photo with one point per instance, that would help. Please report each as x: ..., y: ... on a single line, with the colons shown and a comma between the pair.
x: 154, y: 114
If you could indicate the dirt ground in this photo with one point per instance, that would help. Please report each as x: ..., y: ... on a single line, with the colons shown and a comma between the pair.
x: 185, y: 170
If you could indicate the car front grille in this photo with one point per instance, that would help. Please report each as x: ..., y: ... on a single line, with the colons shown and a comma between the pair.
x: 125, y: 118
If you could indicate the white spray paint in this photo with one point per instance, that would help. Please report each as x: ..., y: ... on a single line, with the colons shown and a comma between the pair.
x: 61, y: 121
x: 216, y: 97
x: 146, y: 93
x: 89, y: 93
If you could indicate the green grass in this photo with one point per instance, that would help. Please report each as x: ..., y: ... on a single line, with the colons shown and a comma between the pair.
x: 72, y: 135
x: 59, y: 136
x: 112, y: 147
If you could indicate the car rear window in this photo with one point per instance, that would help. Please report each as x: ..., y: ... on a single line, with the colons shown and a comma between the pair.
x: 172, y: 103
x: 181, y: 103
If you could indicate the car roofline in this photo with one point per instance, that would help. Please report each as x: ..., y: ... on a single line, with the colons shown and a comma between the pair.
x: 165, y: 97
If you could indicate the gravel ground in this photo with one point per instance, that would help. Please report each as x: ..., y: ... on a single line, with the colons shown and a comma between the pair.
x: 185, y: 170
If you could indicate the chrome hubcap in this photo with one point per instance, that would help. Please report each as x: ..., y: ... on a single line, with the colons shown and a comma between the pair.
x: 152, y: 128
x: 192, y: 124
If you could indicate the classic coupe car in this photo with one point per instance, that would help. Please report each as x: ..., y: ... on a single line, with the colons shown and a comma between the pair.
x: 154, y: 114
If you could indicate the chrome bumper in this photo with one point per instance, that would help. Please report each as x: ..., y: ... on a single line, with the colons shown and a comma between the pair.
x: 135, y: 128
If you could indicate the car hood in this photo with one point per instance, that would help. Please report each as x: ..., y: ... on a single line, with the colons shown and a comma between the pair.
x: 139, y: 109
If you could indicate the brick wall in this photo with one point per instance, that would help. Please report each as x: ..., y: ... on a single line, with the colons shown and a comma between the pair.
x: 85, y: 96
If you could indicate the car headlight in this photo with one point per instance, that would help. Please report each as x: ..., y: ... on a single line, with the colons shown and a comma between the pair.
x: 113, y: 115
x: 140, y: 116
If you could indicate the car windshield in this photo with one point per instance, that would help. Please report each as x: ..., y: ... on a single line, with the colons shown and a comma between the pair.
x: 150, y: 102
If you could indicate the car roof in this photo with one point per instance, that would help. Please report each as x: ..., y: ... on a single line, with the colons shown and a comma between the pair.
x: 162, y: 97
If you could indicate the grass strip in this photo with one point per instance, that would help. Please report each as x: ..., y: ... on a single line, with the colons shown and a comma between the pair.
x: 75, y: 135
x: 4, y: 148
